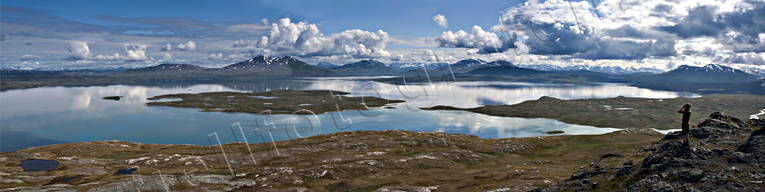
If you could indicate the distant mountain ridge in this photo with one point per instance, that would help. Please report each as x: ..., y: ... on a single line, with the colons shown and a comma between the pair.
x: 403, y: 67
x: 711, y: 78
x: 256, y: 67
x: 506, y: 70
x: 601, y: 69
x: 462, y: 66
x: 165, y: 68
x: 326, y: 65
x: 364, y: 64
x: 711, y: 73
x: 364, y: 68
x: 282, y: 66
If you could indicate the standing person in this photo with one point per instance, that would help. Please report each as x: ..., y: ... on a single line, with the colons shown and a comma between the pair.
x: 686, y: 111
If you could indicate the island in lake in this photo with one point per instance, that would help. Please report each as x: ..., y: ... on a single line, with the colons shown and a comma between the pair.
x: 275, y: 102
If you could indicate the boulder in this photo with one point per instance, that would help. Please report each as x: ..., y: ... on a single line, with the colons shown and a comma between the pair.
x: 700, y: 133
x: 739, y: 157
x: 757, y: 123
x: 721, y: 121
x: 625, y: 169
x: 587, y: 173
x: 754, y: 146
x: 672, y: 154
x: 691, y: 176
x: 607, y: 155
x: 673, y: 135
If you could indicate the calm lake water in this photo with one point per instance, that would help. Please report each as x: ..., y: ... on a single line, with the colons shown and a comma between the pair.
x: 42, y: 116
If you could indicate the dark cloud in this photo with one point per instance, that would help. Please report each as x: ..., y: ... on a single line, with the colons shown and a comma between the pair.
x: 579, y: 41
x: 749, y: 58
x: 750, y: 23
x: 559, y: 39
x: 629, y: 31
x: 662, y: 8
x: 688, y: 50
x: 701, y: 21
x: 550, y: 31
x: 615, y: 49
x: 706, y: 21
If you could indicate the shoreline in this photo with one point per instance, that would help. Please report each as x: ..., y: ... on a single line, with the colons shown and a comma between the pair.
x: 657, y: 131
x: 622, y: 112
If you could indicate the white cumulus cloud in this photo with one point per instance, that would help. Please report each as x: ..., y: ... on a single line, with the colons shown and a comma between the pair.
x: 133, y: 52
x: 487, y: 42
x: 167, y: 47
x: 187, y: 46
x: 167, y: 57
x: 305, y: 39
x: 215, y: 56
x: 79, y: 51
x: 440, y: 20
x: 242, y: 43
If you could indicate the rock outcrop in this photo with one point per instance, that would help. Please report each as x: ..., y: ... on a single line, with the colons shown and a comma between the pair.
x: 726, y: 154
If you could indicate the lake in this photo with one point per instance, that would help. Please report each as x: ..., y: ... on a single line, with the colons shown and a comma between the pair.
x: 50, y: 115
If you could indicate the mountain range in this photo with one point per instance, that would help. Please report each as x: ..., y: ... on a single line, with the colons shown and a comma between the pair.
x: 711, y: 78
x: 286, y: 67
x: 326, y: 65
x: 711, y: 73
x: 364, y: 68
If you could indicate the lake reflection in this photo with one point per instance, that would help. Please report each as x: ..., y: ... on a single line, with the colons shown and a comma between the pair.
x: 479, y: 93
x: 40, y: 116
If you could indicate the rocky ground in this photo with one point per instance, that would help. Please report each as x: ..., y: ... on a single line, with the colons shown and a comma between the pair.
x: 348, y: 161
x: 726, y: 154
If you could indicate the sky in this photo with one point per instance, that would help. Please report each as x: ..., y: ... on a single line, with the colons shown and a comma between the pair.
x: 633, y: 35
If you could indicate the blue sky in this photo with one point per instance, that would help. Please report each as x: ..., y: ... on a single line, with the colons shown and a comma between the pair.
x: 397, y: 17
x: 632, y: 35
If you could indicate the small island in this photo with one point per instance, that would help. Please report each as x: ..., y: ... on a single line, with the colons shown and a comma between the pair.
x: 116, y: 98
x: 278, y: 101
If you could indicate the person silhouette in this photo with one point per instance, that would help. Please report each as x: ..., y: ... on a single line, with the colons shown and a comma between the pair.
x: 686, y: 111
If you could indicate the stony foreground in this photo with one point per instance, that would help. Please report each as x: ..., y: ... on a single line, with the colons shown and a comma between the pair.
x: 348, y: 161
